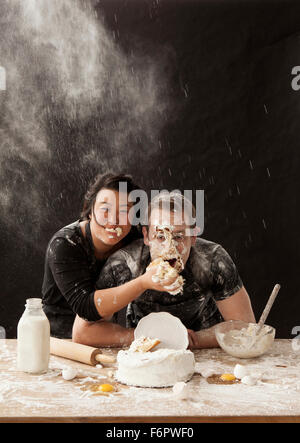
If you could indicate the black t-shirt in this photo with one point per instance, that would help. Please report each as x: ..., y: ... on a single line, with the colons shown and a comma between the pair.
x: 210, y: 276
x: 71, y: 271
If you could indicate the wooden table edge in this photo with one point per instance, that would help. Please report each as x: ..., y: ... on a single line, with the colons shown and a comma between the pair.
x: 158, y: 419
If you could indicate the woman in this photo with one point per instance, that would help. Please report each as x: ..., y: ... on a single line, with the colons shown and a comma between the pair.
x: 77, y: 252
x: 212, y: 292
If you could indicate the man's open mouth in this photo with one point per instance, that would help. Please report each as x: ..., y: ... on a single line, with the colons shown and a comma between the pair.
x: 172, y: 262
x: 169, y: 252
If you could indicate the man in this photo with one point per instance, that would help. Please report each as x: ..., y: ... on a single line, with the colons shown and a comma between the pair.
x: 212, y: 290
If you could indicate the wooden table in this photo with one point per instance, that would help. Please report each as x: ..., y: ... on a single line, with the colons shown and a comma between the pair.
x: 50, y: 398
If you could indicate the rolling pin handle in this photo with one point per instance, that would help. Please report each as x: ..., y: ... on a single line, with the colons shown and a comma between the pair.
x: 106, y: 359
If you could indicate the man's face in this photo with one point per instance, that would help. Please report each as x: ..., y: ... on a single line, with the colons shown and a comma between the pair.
x: 170, y: 241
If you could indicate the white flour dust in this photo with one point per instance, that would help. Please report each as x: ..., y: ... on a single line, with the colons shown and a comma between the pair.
x: 277, y: 392
x: 65, y: 71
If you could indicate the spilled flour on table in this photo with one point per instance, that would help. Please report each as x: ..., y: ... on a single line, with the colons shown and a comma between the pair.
x: 276, y: 393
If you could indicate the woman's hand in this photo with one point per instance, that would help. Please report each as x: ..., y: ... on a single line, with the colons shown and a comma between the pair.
x: 148, y: 283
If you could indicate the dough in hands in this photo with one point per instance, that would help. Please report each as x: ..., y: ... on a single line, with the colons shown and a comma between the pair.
x: 164, y: 272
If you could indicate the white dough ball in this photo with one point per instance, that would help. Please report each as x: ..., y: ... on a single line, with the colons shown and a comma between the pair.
x: 240, y: 371
x: 249, y: 380
x: 69, y: 373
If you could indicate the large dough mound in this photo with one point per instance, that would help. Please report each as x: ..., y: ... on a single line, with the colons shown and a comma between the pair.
x: 157, y: 369
x: 158, y: 357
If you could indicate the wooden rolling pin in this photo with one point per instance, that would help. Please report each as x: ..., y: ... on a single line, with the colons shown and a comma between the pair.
x: 82, y: 353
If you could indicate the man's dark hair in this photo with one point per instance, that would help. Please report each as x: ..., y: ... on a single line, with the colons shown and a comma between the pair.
x: 108, y: 181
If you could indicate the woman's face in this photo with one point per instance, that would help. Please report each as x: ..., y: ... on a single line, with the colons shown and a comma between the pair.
x: 109, y: 218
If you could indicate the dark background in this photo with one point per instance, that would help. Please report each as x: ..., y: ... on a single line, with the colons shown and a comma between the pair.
x: 232, y: 130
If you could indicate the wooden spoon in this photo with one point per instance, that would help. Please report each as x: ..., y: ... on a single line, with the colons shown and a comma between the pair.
x: 265, y: 313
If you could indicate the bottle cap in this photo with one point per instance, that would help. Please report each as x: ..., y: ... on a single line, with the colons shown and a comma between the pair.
x: 33, y: 303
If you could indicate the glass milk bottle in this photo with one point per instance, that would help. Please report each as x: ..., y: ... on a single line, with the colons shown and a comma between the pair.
x: 33, y: 338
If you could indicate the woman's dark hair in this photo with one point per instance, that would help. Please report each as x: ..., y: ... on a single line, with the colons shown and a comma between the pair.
x: 109, y: 181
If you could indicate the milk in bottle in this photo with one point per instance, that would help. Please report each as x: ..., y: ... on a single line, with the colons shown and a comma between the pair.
x: 33, y: 338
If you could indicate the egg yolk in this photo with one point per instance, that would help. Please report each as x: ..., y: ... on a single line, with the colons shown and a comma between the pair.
x: 227, y: 377
x: 106, y: 388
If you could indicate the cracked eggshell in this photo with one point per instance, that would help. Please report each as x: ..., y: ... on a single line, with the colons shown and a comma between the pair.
x: 240, y: 371
x: 180, y: 390
x: 249, y: 380
x: 166, y: 327
x: 69, y: 373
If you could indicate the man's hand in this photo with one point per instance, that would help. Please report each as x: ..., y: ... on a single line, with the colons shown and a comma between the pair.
x: 193, y: 339
x: 205, y: 338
